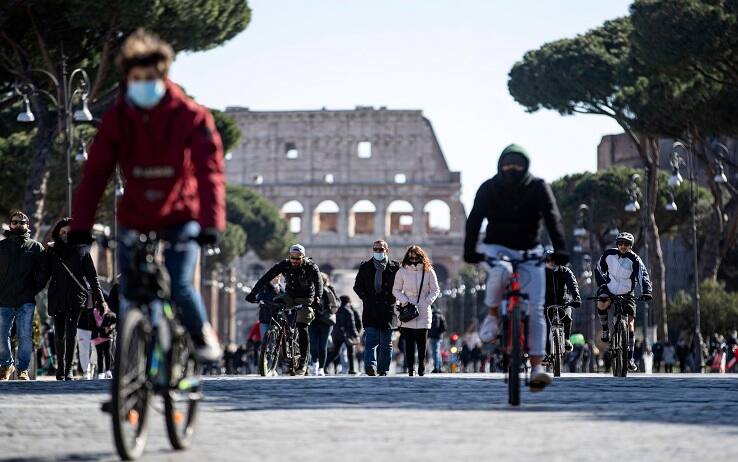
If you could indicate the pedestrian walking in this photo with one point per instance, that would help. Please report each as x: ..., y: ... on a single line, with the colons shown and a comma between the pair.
x: 416, y: 288
x: 669, y: 354
x: 373, y: 285
x: 682, y: 353
x: 23, y: 273
x: 344, y: 333
x: 102, y: 338
x: 73, y: 291
x: 435, y: 334
x: 471, y: 348
x: 320, y: 329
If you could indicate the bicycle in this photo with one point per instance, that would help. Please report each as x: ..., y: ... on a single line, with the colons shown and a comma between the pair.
x: 280, y: 340
x: 515, y: 326
x: 618, y: 347
x: 556, y: 334
x: 154, y: 356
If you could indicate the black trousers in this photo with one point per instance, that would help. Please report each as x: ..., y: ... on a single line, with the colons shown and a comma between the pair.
x: 333, y: 355
x: 103, y: 356
x: 65, y: 339
x: 415, y: 338
x: 303, y: 339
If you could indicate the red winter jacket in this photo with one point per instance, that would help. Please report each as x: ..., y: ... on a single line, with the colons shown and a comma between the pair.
x: 171, y: 159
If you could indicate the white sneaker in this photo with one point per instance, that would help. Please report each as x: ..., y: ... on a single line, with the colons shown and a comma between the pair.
x: 101, y: 376
x: 539, y: 378
x: 109, y: 374
x: 321, y: 372
x: 489, y: 329
x: 313, y: 369
x: 207, y: 349
x: 87, y: 376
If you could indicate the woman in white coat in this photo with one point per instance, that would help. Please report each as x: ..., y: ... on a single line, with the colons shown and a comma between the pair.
x: 416, y: 283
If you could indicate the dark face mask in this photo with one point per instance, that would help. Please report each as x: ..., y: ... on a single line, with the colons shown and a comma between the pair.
x: 19, y: 231
x: 513, y: 177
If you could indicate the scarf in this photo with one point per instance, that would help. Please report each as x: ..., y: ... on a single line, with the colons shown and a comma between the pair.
x: 380, y: 267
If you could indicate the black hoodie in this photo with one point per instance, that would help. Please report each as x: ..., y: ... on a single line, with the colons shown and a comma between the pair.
x: 23, y: 270
x: 515, y: 211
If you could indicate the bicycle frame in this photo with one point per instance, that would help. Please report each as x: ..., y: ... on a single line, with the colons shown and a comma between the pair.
x: 514, y: 298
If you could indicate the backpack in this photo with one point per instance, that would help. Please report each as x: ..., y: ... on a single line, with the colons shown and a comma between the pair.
x: 438, y: 325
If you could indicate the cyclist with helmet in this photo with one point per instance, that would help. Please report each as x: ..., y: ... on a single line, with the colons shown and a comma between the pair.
x: 304, y: 286
x: 561, y: 289
x: 517, y: 205
x: 619, y: 271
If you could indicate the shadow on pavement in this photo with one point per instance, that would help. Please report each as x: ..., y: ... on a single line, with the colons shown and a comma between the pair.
x: 702, y: 401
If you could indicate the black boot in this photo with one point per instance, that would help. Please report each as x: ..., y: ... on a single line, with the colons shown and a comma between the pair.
x: 59, y: 367
x: 68, y: 372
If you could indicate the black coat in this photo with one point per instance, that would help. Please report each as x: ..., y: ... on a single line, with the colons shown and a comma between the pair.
x: 64, y: 293
x: 267, y: 293
x: 23, y: 270
x: 515, y: 215
x: 300, y: 282
x: 379, y: 308
x: 345, y: 327
x: 559, y: 283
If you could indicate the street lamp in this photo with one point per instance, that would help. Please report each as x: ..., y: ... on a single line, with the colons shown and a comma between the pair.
x: 67, y: 91
x: 634, y: 193
x: 585, y: 224
x: 720, y: 177
x: 676, y: 162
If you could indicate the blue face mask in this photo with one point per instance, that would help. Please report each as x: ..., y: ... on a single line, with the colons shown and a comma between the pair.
x: 379, y: 256
x: 146, y: 93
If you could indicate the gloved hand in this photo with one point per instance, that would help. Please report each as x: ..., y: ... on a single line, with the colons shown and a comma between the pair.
x: 78, y: 237
x: 251, y: 297
x: 646, y: 297
x: 560, y: 257
x: 209, y: 236
x: 474, y: 257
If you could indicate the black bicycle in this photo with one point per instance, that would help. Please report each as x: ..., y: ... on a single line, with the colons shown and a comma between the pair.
x: 619, y: 352
x: 280, y: 344
x: 556, y: 335
x: 154, y: 356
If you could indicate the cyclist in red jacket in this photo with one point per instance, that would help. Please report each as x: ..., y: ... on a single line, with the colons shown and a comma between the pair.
x: 171, y: 159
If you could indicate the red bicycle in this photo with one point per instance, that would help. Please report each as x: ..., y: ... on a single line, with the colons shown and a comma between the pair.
x: 514, y: 326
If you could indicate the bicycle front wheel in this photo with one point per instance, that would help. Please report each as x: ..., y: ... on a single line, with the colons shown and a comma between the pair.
x: 269, y: 355
x: 513, y: 382
x: 623, y: 348
x: 557, y: 352
x: 131, y: 387
x: 181, y: 400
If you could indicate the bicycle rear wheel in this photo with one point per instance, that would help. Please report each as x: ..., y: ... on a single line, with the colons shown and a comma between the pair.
x: 513, y: 382
x: 131, y: 387
x: 181, y: 400
x: 269, y: 355
x: 557, y: 352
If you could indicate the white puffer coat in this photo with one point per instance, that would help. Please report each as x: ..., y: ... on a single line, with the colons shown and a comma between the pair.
x: 405, y: 290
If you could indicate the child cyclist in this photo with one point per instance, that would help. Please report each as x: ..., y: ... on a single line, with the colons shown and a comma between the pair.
x: 618, y: 272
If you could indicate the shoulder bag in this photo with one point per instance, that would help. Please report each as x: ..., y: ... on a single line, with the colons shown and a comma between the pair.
x: 410, y: 311
x: 89, y: 303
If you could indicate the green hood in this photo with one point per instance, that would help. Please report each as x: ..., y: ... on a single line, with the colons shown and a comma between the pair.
x: 514, y: 149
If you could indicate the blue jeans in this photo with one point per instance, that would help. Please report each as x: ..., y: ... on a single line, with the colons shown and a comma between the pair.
x: 378, y: 339
x: 23, y: 316
x: 180, y: 257
x: 435, y: 344
x: 319, y: 334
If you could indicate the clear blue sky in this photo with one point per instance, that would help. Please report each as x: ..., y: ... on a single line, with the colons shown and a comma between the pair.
x: 449, y: 58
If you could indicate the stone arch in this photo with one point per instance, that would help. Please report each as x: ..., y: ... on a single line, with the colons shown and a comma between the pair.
x: 325, y: 217
x: 437, y: 218
x: 400, y: 218
x: 293, y: 211
x: 362, y: 217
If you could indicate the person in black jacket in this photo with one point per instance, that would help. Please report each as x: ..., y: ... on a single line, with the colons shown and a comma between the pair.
x: 517, y: 205
x: 373, y: 285
x: 345, y: 332
x: 73, y: 279
x: 270, y: 292
x: 561, y: 289
x: 435, y: 334
x: 23, y: 274
x: 303, y: 287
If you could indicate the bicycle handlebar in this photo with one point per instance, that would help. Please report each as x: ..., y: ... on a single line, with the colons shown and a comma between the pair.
x: 515, y: 261
x: 605, y: 296
x: 281, y: 306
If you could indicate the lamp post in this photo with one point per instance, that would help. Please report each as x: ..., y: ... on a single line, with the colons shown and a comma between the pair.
x: 585, y: 224
x: 66, y: 93
x: 674, y: 181
x: 634, y: 193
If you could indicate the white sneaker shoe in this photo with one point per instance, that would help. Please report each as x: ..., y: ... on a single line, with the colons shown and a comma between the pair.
x: 109, y: 374
x: 313, y: 369
x: 539, y: 378
x: 100, y: 376
x: 207, y: 348
x: 321, y: 372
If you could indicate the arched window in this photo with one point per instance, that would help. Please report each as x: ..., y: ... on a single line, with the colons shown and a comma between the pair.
x: 361, y: 218
x: 437, y: 217
x: 400, y: 214
x: 292, y: 212
x: 326, y: 217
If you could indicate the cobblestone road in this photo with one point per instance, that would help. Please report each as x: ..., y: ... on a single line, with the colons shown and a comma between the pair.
x: 444, y: 417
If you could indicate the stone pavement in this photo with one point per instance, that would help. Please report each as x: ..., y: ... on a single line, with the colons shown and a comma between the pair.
x: 432, y: 418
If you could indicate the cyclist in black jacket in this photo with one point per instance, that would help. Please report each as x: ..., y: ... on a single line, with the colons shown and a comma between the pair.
x: 561, y: 289
x: 517, y: 205
x: 303, y: 287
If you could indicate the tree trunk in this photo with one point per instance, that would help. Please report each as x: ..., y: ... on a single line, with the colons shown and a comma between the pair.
x: 709, y: 256
x: 36, y: 184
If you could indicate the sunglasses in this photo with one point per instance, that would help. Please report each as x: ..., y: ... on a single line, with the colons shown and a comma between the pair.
x: 295, y: 258
x: 18, y: 222
x: 623, y: 244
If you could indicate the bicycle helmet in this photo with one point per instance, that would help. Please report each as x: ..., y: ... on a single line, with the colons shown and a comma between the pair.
x: 625, y: 237
x: 548, y: 254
